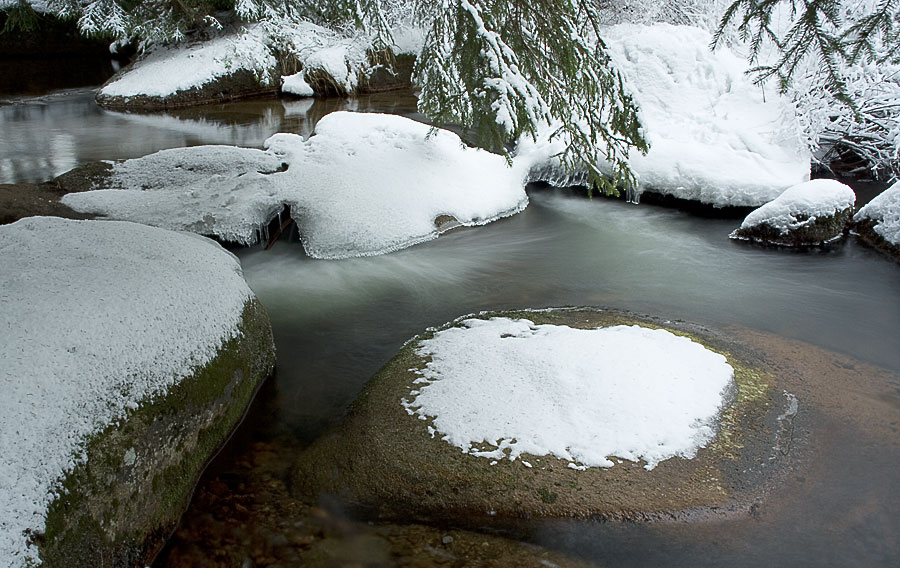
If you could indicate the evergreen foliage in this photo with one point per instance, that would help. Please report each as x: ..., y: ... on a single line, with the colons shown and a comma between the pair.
x: 510, y: 67
x: 845, y: 50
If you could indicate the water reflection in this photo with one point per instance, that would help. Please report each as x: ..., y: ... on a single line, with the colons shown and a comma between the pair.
x: 44, y: 137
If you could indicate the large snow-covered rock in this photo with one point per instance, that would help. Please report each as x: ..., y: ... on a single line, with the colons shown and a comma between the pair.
x: 550, y: 412
x: 363, y: 184
x: 129, y: 354
x: 879, y: 221
x: 624, y: 391
x: 714, y: 136
x: 810, y: 213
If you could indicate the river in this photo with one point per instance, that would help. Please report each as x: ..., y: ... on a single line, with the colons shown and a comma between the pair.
x: 337, y: 322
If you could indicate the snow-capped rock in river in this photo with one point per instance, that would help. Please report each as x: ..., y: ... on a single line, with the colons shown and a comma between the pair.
x: 99, y: 322
x: 809, y: 213
x: 582, y: 395
x: 363, y: 184
x: 879, y: 220
x: 714, y: 136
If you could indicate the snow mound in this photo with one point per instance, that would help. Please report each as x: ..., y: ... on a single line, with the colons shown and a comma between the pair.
x: 364, y: 184
x: 885, y: 211
x: 714, y: 136
x: 296, y: 85
x: 170, y: 69
x: 367, y: 184
x: 95, y: 317
x: 502, y: 386
x: 802, y: 204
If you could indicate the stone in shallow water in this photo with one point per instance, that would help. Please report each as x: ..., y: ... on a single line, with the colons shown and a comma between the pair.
x: 810, y: 213
x: 385, y: 458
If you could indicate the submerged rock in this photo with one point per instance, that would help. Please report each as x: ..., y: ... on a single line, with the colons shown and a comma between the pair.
x: 397, y: 463
x: 151, y: 347
x: 878, y: 223
x: 810, y: 213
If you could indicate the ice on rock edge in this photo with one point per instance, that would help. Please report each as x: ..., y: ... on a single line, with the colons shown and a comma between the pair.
x: 503, y: 387
x: 802, y: 204
x: 95, y: 318
x: 885, y: 211
x: 363, y: 184
x: 714, y: 136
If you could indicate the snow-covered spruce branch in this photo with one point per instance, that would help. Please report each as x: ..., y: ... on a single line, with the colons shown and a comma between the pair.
x: 839, y: 59
x: 507, y: 69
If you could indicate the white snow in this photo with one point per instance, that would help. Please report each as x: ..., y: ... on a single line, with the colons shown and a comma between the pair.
x: 802, y: 204
x: 364, y: 184
x: 95, y: 319
x: 502, y: 387
x: 209, y: 190
x: 885, y: 211
x: 167, y: 70
x: 170, y: 69
x: 714, y: 136
x: 296, y: 85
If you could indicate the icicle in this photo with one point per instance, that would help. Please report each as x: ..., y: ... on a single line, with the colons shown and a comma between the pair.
x: 632, y: 195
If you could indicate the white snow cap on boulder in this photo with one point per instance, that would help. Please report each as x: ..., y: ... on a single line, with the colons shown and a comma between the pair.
x: 581, y: 395
x: 885, y: 211
x: 802, y: 204
x: 96, y: 317
x: 714, y: 136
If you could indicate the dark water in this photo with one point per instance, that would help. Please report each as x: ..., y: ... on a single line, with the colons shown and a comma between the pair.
x: 337, y: 322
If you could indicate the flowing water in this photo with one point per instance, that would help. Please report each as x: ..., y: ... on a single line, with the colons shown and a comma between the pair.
x: 337, y: 322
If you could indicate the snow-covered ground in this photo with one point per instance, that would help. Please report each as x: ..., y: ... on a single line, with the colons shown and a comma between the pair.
x: 363, y: 184
x: 802, y: 204
x: 580, y: 395
x: 95, y: 317
x: 170, y: 69
x: 885, y: 211
x: 714, y: 136
x: 167, y: 70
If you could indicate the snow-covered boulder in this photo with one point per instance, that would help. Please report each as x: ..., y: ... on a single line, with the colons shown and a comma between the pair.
x: 551, y: 412
x: 363, y: 184
x: 129, y: 355
x: 810, y: 213
x: 714, y: 136
x: 879, y: 221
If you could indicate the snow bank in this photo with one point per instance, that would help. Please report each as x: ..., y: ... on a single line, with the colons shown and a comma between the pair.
x: 885, y: 211
x: 170, y: 69
x: 802, y: 204
x: 95, y: 317
x: 581, y: 395
x: 257, y: 48
x: 364, y: 184
x: 714, y: 136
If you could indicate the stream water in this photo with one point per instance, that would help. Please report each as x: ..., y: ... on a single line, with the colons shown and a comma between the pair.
x: 337, y: 322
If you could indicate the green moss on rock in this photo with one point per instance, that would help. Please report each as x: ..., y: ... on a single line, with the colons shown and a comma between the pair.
x: 384, y: 459
x: 118, y: 507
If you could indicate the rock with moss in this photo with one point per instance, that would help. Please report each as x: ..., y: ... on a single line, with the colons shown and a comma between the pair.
x: 401, y: 464
x: 878, y: 223
x: 130, y: 355
x: 810, y: 213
